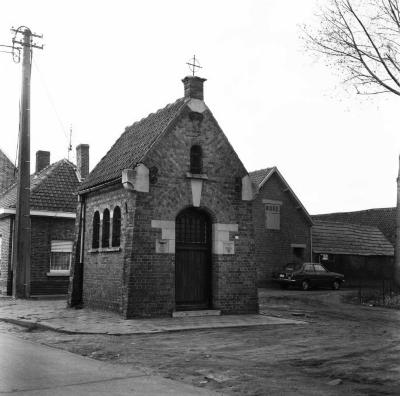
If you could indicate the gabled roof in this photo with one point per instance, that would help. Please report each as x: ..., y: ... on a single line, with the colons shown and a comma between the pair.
x: 383, y: 218
x: 261, y: 176
x: 7, y: 171
x: 258, y: 176
x: 133, y: 145
x: 353, y: 239
x: 52, y: 189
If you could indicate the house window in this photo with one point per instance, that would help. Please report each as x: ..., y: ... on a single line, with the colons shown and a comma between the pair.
x: 116, y: 227
x: 196, y: 159
x: 96, y: 230
x: 273, y: 216
x: 61, y: 255
x: 105, y: 241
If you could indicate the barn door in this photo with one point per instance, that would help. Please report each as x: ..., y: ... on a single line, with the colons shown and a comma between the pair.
x: 193, y: 260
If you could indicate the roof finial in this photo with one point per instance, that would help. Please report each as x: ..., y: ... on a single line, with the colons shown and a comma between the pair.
x: 193, y: 63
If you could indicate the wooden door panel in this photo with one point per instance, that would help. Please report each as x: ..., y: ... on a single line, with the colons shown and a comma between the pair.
x: 192, y: 260
x: 191, y: 276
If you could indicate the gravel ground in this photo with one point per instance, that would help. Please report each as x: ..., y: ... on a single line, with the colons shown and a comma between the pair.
x: 343, y: 349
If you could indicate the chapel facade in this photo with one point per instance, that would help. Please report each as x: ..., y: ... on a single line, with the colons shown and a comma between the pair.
x: 164, y: 220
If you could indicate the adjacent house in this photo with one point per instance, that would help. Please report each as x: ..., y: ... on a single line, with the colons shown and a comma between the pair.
x: 53, y: 205
x: 282, y: 225
x: 361, y: 252
x: 8, y: 172
x: 165, y: 219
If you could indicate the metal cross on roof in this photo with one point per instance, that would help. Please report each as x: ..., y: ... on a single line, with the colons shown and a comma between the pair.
x: 193, y: 63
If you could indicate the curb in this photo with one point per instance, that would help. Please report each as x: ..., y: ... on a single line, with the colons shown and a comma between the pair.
x: 39, y: 326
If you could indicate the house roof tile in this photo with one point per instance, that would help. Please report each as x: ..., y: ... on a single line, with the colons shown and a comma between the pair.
x: 383, y: 218
x: 259, y: 175
x: 353, y: 239
x: 132, y: 145
x: 52, y: 189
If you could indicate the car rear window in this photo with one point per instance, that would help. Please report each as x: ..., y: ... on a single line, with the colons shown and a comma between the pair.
x: 319, y: 268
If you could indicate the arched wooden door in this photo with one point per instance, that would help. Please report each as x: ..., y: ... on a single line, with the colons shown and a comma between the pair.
x: 193, y: 260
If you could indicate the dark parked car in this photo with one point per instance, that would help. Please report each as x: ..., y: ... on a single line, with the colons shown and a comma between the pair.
x: 308, y: 275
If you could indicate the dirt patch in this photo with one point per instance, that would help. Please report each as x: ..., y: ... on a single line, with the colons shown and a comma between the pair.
x: 343, y: 349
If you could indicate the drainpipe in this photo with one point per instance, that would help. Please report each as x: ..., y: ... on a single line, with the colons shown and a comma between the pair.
x: 76, y: 282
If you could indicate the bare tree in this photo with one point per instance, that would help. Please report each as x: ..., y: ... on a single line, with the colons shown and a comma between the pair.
x: 363, y: 39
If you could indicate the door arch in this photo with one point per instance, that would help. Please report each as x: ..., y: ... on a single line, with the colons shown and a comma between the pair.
x: 193, y: 260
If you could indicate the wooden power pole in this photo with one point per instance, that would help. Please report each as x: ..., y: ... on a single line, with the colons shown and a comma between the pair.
x: 22, y: 225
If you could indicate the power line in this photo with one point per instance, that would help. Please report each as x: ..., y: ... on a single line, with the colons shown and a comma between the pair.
x: 50, y: 98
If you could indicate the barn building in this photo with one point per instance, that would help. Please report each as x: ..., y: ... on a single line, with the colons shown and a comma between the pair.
x: 282, y: 225
x: 363, y: 253
x: 165, y: 219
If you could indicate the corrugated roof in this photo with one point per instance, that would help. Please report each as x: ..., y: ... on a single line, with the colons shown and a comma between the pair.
x: 353, y: 239
x: 132, y: 145
x: 383, y: 218
x: 52, y: 189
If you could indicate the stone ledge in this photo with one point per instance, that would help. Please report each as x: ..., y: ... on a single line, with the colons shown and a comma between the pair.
x: 106, y: 250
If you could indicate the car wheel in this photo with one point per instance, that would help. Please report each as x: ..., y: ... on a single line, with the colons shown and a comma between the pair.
x: 305, y: 285
x: 336, y: 285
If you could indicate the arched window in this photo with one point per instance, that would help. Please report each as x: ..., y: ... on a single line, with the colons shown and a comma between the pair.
x: 196, y: 159
x: 105, y: 241
x: 116, y: 227
x: 96, y: 230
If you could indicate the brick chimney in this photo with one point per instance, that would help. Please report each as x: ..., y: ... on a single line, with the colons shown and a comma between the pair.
x: 82, y: 160
x: 42, y: 160
x: 193, y: 87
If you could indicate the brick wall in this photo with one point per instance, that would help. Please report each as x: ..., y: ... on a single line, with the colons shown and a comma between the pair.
x: 273, y: 247
x: 5, y: 270
x: 106, y: 270
x: 137, y: 281
x: 44, y: 230
x: 152, y: 281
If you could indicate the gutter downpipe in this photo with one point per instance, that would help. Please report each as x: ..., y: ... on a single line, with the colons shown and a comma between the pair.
x: 75, y: 293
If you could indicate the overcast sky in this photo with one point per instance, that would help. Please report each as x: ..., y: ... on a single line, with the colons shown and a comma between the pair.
x: 107, y: 64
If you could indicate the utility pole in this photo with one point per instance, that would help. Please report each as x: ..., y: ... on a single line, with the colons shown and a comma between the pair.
x: 22, y: 225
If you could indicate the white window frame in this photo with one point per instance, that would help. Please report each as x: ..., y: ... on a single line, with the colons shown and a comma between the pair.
x: 60, y: 246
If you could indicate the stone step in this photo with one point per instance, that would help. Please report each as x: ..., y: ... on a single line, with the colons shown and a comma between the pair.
x: 200, y: 312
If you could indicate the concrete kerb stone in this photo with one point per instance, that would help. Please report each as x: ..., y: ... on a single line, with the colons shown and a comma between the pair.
x: 37, y: 325
x: 52, y: 315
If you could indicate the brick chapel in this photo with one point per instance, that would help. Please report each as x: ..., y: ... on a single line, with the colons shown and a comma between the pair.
x: 164, y: 220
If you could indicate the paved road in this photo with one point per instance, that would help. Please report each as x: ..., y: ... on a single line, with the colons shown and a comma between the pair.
x: 33, y: 369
